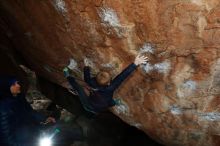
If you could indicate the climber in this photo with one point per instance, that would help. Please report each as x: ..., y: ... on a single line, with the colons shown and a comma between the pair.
x: 20, y: 125
x: 102, y: 88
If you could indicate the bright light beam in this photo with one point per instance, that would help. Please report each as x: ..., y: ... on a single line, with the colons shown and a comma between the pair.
x: 45, y: 142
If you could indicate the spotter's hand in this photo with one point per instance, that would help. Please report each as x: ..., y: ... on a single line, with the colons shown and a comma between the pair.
x: 50, y: 120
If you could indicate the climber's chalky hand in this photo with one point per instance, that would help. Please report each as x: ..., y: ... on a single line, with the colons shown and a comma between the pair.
x: 140, y: 60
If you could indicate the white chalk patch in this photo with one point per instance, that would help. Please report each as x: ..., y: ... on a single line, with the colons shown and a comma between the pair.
x: 122, y: 109
x: 147, y: 67
x: 186, y: 89
x: 163, y: 67
x: 73, y: 64
x: 210, y: 116
x: 109, y: 16
x: 137, y: 125
x: 209, y: 5
x: 108, y: 65
x: 189, y: 85
x: 147, y: 48
x: 88, y: 62
x: 198, y: 2
x: 60, y: 6
x: 176, y: 110
x: 40, y: 104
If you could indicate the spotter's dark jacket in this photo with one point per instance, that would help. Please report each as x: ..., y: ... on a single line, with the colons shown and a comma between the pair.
x: 19, y: 123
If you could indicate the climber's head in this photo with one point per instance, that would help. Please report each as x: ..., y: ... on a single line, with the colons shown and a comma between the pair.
x: 103, y: 78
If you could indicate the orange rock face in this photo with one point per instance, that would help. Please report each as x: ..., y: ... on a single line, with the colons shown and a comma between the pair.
x: 174, y: 98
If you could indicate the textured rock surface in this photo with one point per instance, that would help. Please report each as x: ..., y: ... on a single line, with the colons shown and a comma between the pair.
x: 174, y: 98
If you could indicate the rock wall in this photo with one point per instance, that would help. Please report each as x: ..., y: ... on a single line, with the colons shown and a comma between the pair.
x: 9, y: 58
x: 174, y: 98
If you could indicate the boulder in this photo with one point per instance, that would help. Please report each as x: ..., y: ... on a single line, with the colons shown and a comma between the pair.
x: 174, y: 98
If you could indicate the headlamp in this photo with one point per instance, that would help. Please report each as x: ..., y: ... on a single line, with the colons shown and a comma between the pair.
x: 45, y: 141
